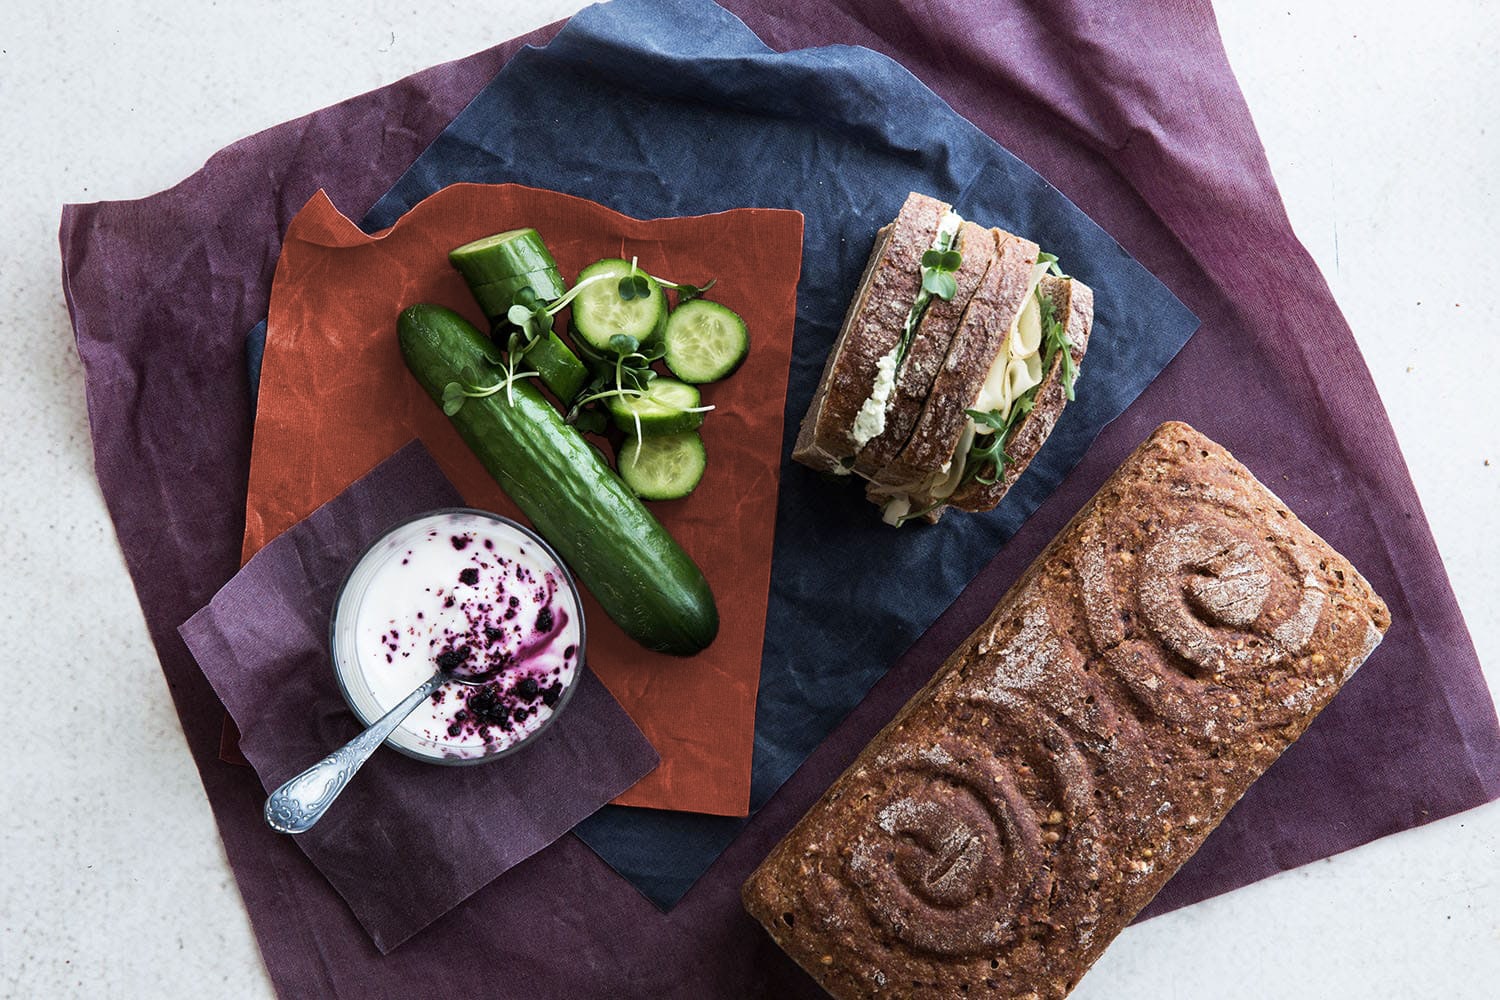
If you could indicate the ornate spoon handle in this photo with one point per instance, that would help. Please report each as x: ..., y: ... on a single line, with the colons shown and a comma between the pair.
x: 301, y: 802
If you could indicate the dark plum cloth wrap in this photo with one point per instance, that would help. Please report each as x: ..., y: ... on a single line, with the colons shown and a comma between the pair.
x: 1132, y: 112
x: 406, y: 841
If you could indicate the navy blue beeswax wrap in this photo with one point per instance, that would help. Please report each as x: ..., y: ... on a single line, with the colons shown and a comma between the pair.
x: 674, y: 107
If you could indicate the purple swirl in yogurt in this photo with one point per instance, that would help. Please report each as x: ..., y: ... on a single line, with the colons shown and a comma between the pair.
x: 483, y: 600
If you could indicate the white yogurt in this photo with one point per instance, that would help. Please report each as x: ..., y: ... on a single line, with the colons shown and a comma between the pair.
x: 480, y: 594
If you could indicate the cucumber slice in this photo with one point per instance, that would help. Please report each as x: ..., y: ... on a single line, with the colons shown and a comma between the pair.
x: 705, y: 341
x: 660, y: 410
x: 665, y: 467
x: 559, y: 367
x: 599, y: 312
x: 502, y: 256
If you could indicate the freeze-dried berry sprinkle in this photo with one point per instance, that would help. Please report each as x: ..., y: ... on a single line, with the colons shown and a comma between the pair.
x: 544, y: 620
x: 552, y: 694
x: 487, y: 707
x: 526, y: 688
x: 469, y: 576
x: 568, y: 653
x: 460, y: 542
x: 450, y: 660
x: 493, y: 633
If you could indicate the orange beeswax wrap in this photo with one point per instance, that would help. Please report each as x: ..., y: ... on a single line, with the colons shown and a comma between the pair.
x: 336, y: 398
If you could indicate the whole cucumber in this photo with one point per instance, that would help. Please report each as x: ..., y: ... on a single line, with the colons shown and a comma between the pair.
x: 635, y: 570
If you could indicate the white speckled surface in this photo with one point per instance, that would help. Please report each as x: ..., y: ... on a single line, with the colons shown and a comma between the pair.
x: 1380, y: 126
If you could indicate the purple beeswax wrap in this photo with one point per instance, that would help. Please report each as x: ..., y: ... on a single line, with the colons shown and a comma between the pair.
x: 407, y: 841
x: 1132, y: 112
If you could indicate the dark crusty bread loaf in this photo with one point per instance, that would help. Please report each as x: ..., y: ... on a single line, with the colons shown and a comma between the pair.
x: 1074, y: 302
x: 980, y: 337
x: 873, y: 324
x: 1155, y: 659
x: 929, y: 347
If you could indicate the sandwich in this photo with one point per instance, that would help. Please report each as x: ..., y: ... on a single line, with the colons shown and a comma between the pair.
x: 958, y: 353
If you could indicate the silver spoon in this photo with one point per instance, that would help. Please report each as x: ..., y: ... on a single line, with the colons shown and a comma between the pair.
x: 302, y: 801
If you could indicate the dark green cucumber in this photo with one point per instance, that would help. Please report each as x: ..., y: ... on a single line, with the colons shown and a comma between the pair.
x: 639, y: 575
x: 496, y: 268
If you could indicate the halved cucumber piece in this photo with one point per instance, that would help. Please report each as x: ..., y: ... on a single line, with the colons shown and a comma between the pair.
x: 705, y: 341
x: 501, y: 256
x: 496, y: 297
x: 660, y: 411
x: 600, y: 312
x: 559, y: 367
x: 665, y: 467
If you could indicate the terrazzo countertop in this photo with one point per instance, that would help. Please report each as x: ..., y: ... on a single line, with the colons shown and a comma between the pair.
x: 1379, y: 127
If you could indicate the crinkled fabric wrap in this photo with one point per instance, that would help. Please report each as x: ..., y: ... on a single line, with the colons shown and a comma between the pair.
x: 1134, y: 113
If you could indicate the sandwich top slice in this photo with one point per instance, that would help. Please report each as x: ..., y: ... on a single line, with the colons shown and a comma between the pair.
x: 916, y: 366
x: 833, y: 431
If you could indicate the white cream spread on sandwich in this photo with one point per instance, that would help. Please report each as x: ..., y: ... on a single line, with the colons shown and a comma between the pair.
x: 869, y: 423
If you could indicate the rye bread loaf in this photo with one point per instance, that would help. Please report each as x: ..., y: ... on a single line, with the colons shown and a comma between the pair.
x: 929, y: 347
x: 1177, y: 635
x: 873, y: 324
x: 1074, y: 303
x: 980, y: 337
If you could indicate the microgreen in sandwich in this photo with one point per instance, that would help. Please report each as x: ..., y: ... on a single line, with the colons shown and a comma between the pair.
x: 938, y: 267
x: 987, y: 457
x: 1055, y: 338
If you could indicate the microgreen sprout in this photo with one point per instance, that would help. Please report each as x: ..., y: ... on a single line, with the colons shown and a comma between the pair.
x: 938, y: 267
x: 1055, y: 339
x: 455, y: 394
x: 635, y: 285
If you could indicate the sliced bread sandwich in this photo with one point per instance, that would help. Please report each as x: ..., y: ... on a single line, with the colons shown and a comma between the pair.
x: 943, y: 398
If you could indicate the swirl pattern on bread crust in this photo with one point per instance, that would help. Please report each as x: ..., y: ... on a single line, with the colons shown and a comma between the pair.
x: 1168, y: 645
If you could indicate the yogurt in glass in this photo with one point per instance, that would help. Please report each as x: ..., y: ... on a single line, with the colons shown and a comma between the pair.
x: 479, y: 595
